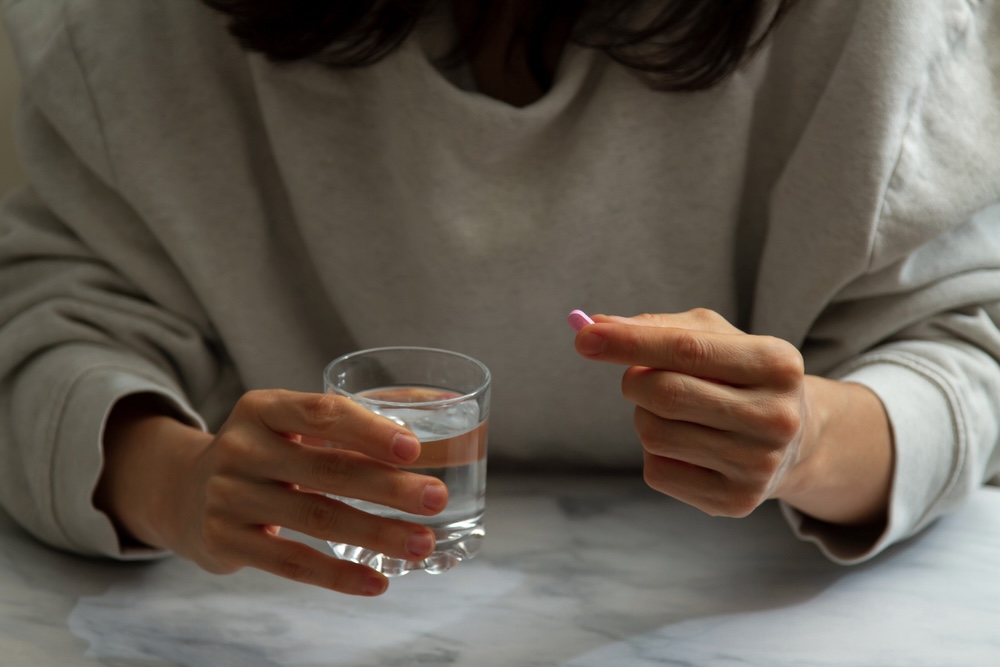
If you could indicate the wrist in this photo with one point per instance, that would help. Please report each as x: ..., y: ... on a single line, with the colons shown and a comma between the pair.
x: 844, y: 471
x: 147, y: 453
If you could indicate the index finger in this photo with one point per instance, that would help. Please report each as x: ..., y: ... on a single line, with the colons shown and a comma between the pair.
x: 733, y: 358
x: 333, y: 418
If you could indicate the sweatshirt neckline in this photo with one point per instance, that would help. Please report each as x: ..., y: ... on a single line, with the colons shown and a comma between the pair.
x: 570, y: 77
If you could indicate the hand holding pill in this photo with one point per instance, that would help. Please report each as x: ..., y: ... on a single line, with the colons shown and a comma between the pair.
x: 720, y: 413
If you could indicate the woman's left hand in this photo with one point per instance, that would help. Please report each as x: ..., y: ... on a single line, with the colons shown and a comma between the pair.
x: 726, y: 419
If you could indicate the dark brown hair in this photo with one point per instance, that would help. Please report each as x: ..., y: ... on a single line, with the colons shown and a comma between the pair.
x: 683, y: 45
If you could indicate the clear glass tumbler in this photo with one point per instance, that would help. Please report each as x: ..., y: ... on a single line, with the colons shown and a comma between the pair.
x: 443, y: 397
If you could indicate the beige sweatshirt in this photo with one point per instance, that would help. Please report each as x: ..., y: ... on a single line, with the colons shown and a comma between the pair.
x: 201, y: 221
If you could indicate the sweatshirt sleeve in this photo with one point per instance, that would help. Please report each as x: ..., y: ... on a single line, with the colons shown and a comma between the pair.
x: 939, y: 384
x: 920, y: 324
x: 78, y: 330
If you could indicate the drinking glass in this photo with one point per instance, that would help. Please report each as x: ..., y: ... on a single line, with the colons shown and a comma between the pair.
x: 443, y: 397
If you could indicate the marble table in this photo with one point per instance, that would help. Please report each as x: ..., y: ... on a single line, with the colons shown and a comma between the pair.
x: 578, y: 571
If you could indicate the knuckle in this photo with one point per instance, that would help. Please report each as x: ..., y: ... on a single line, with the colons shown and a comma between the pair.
x: 669, y: 397
x: 337, y: 467
x: 382, y: 538
x: 690, y: 351
x: 339, y: 577
x: 783, y: 422
x: 655, y: 474
x: 739, y: 504
x: 324, y: 410
x: 649, y: 428
x: 318, y: 516
x: 783, y: 361
x: 401, y: 490
x: 762, y: 468
x: 704, y: 315
x: 252, y: 401
x: 740, y: 509
x: 289, y: 565
x: 630, y: 343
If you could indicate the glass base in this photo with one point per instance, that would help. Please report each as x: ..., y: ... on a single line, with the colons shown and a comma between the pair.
x: 455, y: 543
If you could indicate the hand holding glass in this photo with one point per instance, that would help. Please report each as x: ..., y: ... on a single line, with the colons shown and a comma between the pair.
x: 443, y: 397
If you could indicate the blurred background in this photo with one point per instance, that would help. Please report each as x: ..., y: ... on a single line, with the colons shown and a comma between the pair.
x: 10, y: 169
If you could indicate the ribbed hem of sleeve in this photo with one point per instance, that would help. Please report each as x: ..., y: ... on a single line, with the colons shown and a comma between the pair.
x: 928, y: 447
x: 78, y: 454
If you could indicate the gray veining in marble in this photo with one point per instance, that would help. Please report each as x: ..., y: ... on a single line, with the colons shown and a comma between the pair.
x: 554, y: 586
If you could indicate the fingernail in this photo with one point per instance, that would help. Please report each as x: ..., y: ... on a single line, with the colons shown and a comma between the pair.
x: 405, y: 446
x: 435, y: 496
x: 374, y: 586
x: 591, y: 343
x: 420, y: 544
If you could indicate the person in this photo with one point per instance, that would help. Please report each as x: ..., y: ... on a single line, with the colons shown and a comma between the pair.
x: 226, y: 195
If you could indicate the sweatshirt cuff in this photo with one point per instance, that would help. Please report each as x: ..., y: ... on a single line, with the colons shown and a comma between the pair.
x: 78, y: 456
x: 927, y: 443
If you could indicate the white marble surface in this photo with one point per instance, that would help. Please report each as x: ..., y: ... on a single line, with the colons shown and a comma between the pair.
x: 552, y: 587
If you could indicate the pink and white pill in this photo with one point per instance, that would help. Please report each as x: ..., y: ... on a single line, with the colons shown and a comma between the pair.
x: 579, y: 319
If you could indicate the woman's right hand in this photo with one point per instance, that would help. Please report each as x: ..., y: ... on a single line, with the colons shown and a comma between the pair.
x: 220, y: 500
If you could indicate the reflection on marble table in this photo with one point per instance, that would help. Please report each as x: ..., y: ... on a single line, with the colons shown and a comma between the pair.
x: 578, y: 571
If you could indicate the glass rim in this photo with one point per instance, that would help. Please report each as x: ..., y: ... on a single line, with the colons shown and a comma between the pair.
x: 478, y: 391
